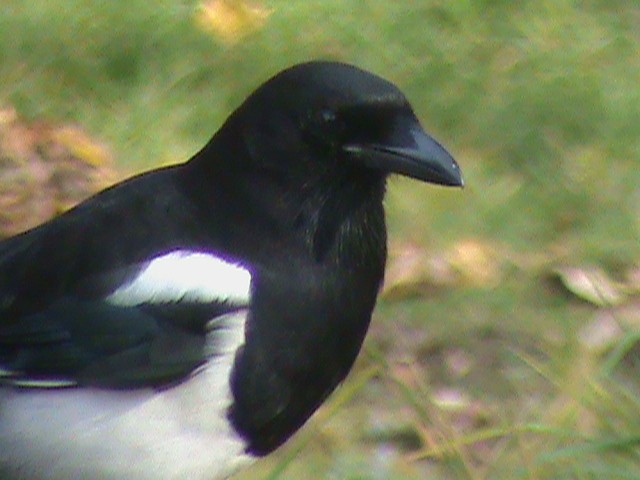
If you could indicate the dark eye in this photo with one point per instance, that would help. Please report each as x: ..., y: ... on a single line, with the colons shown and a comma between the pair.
x: 327, y: 116
x: 325, y: 127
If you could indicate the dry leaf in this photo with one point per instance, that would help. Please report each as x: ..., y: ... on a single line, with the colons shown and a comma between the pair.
x: 632, y: 278
x: 44, y: 170
x: 80, y: 145
x: 476, y: 262
x: 451, y: 399
x: 412, y: 272
x: 601, y: 333
x: 229, y: 20
x: 591, y: 284
x: 458, y: 362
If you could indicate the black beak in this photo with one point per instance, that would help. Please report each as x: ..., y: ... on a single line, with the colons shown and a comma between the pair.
x: 412, y: 152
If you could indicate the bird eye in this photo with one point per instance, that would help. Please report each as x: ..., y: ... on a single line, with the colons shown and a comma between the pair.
x: 324, y: 127
x: 327, y: 116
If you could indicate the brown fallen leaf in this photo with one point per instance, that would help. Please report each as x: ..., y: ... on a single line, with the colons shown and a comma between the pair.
x: 451, y: 399
x: 591, y: 284
x: 458, y: 362
x: 412, y: 272
x: 45, y: 169
x: 632, y: 280
x: 601, y: 333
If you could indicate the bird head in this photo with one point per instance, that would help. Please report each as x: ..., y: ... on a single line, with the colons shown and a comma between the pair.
x: 330, y: 117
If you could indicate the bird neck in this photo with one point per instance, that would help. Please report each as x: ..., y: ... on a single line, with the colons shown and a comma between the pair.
x: 316, y: 246
x: 334, y: 218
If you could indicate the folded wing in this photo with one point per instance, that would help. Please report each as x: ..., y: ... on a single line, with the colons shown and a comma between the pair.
x: 148, y: 324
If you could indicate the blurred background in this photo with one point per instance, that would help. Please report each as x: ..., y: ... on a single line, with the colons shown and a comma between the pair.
x: 506, y: 342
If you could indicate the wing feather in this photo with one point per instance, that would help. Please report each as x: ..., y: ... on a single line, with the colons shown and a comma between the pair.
x: 149, y: 331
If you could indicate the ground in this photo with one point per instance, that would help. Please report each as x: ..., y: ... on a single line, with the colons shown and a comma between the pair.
x: 505, y: 344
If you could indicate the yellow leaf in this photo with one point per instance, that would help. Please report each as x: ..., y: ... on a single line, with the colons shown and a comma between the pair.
x: 81, y: 146
x: 230, y: 20
x: 476, y: 262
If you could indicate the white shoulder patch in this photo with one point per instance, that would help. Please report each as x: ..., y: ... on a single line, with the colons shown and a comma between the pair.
x: 186, y: 275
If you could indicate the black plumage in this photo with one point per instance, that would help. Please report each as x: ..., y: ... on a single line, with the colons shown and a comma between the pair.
x: 290, y: 189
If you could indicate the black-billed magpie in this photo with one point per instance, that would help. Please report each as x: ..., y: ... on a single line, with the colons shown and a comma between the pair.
x: 192, y: 318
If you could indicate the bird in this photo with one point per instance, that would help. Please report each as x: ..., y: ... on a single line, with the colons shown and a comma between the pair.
x: 189, y: 320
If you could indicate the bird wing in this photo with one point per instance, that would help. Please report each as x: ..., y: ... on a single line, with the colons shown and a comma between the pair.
x: 77, y: 307
x: 155, y: 326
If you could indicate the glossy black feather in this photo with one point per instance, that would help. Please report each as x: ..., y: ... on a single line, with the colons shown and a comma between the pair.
x: 291, y: 187
x: 54, y: 322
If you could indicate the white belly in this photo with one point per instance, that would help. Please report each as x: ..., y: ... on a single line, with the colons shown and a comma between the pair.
x: 181, y: 432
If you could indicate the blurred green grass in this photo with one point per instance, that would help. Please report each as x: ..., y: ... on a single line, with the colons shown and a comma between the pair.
x: 540, y: 103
